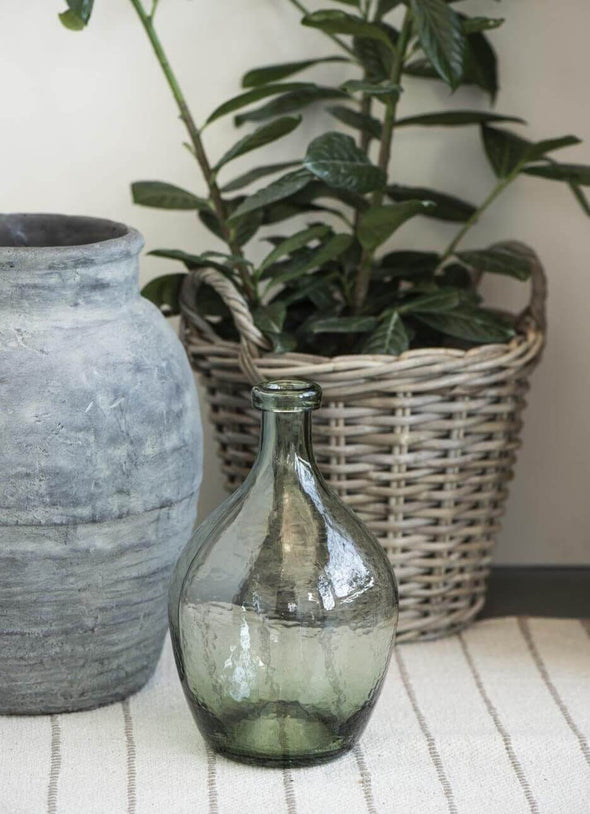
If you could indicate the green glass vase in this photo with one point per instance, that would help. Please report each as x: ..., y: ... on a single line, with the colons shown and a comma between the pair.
x: 283, y: 607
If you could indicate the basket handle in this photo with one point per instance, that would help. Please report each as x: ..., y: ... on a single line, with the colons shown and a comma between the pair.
x: 536, y: 309
x: 251, y: 338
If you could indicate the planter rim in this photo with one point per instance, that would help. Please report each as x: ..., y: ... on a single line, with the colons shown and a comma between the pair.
x: 70, y: 241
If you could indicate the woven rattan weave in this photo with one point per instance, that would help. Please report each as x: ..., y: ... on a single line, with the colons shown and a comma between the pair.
x: 422, y: 445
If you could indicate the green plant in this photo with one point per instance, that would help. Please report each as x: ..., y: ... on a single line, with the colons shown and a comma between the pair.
x: 340, y: 283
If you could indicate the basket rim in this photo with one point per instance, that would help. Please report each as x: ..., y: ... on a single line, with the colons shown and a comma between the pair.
x: 525, y: 335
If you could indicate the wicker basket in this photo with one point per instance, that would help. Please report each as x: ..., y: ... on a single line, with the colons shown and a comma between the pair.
x: 421, y: 446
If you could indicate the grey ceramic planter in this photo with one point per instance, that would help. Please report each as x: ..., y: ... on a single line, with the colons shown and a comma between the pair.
x: 100, y: 464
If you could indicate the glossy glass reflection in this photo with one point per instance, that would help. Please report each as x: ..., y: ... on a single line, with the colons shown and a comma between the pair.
x: 283, y: 606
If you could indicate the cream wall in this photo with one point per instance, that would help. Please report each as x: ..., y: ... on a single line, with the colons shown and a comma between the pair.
x: 84, y: 114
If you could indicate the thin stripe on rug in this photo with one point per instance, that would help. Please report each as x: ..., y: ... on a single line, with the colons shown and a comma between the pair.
x: 527, y: 635
x: 503, y: 732
x: 54, y: 765
x: 212, y: 780
x: 131, y: 757
x: 429, y: 738
x: 366, y: 780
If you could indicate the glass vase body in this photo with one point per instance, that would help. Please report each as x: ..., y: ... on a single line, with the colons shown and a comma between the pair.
x: 283, y: 607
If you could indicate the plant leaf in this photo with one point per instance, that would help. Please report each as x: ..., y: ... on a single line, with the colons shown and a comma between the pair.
x: 471, y: 25
x: 254, y: 95
x: 375, y: 57
x: 580, y: 197
x: 457, y: 276
x: 342, y: 325
x: 540, y: 148
x: 242, y: 228
x: 191, y: 261
x: 289, y: 103
x: 339, y: 22
x: 319, y: 189
x: 453, y: 118
x: 509, y: 153
x: 505, y: 151
x: 206, y: 300
x: 166, y: 196
x: 480, y: 64
x: 360, y: 121
x: 578, y: 174
x: 255, y: 173
x: 230, y: 259
x: 385, y: 6
x: 498, y: 260
x: 407, y: 265
x: 270, y: 318
x: 335, y: 159
x: 447, y: 207
x: 432, y: 302
x: 281, y: 188
x: 293, y: 243
x: 440, y: 33
x: 164, y: 292
x: 283, y: 342
x: 390, y: 336
x: 78, y: 14
x: 386, y: 91
x: 263, y: 135
x: 329, y: 250
x: 274, y: 73
x: 71, y: 21
x: 378, y: 223
x: 316, y: 288
x: 472, y: 324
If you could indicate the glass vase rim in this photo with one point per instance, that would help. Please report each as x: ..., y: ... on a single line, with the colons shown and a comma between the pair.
x: 287, y: 395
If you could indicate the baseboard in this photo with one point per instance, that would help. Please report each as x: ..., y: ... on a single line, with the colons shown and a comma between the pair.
x: 538, y: 590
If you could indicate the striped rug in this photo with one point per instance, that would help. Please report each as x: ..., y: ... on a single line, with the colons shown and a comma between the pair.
x: 495, y: 720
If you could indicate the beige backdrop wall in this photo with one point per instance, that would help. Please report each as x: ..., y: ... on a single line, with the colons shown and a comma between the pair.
x: 82, y: 115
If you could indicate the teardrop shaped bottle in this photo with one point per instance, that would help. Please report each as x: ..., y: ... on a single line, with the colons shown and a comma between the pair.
x: 283, y: 607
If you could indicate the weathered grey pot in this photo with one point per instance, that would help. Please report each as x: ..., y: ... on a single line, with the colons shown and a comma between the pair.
x: 100, y: 464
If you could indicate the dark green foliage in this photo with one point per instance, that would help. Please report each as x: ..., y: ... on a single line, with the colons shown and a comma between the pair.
x: 165, y: 293
x: 322, y: 288
x: 441, y: 36
x: 335, y: 159
x: 445, y: 207
x: 274, y: 73
x: 166, y: 196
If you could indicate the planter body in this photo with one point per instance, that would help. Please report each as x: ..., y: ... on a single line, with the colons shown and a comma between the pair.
x: 100, y: 464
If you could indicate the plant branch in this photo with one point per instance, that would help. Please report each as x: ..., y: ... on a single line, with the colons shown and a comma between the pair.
x: 153, y: 11
x: 364, y: 272
x: 195, y: 138
x: 340, y: 43
x: 499, y: 188
x: 389, y: 121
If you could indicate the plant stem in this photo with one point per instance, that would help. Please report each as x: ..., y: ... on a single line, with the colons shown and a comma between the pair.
x: 340, y: 43
x: 499, y: 188
x: 365, y: 137
x: 389, y: 121
x: 364, y: 142
x: 195, y: 138
x: 153, y: 11
x: 364, y: 272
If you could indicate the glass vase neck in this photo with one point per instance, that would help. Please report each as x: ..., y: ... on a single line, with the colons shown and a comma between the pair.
x: 285, y: 440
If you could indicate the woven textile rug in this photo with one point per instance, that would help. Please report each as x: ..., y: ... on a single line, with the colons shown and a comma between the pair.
x: 495, y: 720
